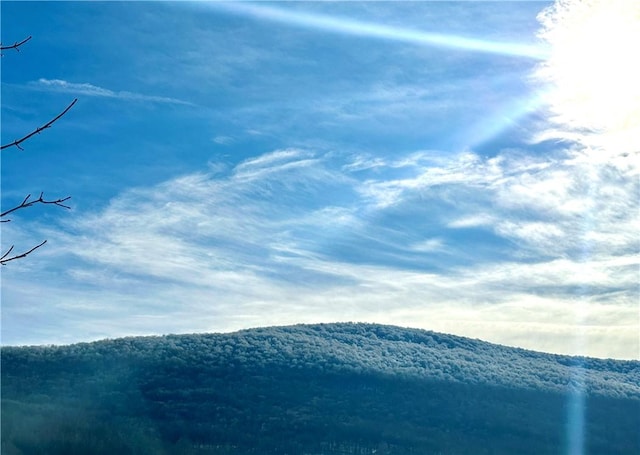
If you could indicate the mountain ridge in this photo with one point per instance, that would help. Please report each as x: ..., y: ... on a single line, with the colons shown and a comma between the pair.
x: 309, y: 387
x: 346, y: 343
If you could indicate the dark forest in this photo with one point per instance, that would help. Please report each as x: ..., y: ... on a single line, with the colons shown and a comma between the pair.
x: 313, y: 389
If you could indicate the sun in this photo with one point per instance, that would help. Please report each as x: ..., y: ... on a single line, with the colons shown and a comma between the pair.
x: 594, y: 70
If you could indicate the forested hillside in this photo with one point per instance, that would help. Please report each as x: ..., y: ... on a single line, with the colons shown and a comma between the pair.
x: 313, y: 389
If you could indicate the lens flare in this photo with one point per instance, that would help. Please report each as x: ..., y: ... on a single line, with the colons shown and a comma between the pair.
x: 373, y: 30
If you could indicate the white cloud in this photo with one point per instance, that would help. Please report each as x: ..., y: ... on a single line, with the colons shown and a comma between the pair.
x: 87, y: 89
x: 292, y: 236
x: 273, y: 162
x: 472, y: 221
x: 223, y: 140
x: 429, y: 245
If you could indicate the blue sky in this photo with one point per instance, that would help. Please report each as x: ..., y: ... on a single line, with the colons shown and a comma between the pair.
x: 240, y: 165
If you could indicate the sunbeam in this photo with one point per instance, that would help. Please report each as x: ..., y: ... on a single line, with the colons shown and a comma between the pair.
x: 373, y: 30
x: 507, y: 116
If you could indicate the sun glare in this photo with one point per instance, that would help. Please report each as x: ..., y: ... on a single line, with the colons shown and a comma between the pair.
x: 594, y: 69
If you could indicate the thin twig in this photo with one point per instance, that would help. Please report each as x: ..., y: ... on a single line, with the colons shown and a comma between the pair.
x: 27, y: 203
x: 17, y: 142
x: 15, y: 45
x: 4, y: 259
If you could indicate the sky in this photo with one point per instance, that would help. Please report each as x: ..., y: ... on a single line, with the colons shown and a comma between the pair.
x: 465, y: 167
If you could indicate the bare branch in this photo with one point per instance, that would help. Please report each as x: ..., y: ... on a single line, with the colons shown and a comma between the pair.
x: 6, y: 258
x: 28, y: 203
x: 17, y: 142
x: 15, y: 45
x: 9, y: 255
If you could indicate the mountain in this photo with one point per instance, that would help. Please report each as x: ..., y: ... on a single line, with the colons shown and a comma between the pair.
x: 312, y: 390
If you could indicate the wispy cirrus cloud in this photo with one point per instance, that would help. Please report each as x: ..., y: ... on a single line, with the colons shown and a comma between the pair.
x: 86, y: 89
x: 246, y: 247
